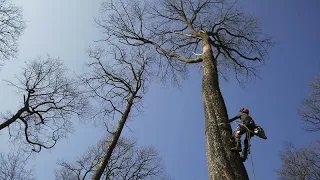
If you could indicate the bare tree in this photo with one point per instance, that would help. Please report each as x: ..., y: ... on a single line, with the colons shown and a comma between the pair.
x: 118, y: 87
x: 13, y: 167
x: 11, y: 27
x: 300, y: 164
x: 50, y: 99
x: 223, y: 35
x: 309, y: 110
x: 126, y: 162
x: 304, y: 163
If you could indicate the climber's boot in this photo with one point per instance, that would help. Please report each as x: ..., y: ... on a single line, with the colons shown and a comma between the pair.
x: 237, y: 148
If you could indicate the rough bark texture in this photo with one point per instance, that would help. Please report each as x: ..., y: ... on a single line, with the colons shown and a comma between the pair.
x: 222, y: 163
x: 176, y: 28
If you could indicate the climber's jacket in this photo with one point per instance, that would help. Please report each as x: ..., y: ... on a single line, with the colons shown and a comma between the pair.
x: 245, y: 120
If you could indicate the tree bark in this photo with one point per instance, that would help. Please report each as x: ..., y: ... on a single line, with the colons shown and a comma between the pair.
x: 222, y: 163
x: 97, y: 175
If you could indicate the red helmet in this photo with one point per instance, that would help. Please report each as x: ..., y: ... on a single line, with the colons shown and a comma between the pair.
x: 244, y: 110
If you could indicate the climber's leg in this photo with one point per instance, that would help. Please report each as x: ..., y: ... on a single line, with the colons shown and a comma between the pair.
x: 246, y: 147
x: 237, y: 137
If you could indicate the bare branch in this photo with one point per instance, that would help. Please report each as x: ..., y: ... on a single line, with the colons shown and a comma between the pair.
x: 225, y: 37
x: 127, y: 162
x: 174, y: 29
x: 13, y: 166
x: 113, y: 83
x: 49, y: 102
x: 116, y: 85
x: 11, y: 27
x: 303, y: 163
x: 309, y: 110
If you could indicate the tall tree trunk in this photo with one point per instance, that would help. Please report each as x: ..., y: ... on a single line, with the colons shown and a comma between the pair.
x: 222, y: 163
x: 97, y: 175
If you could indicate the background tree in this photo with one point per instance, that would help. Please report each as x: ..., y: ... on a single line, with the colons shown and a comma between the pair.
x: 220, y: 31
x: 118, y: 87
x: 304, y: 163
x: 11, y: 27
x: 126, y: 162
x: 309, y: 110
x: 50, y: 99
x: 13, y: 167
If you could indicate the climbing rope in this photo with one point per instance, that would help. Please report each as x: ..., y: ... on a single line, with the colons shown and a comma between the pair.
x: 249, y: 150
x: 254, y: 174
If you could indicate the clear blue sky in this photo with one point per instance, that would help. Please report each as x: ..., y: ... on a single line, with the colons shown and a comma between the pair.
x: 173, y: 120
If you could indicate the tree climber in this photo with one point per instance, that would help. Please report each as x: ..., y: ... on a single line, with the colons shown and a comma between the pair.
x: 247, y: 125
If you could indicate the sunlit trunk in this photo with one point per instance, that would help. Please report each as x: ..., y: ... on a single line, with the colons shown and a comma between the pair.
x: 223, y: 164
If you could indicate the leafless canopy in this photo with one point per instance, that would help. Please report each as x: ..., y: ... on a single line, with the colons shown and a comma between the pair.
x: 309, y: 109
x: 11, y: 27
x: 176, y: 27
x: 301, y: 163
x: 127, y: 162
x: 117, y: 80
x: 114, y: 79
x: 13, y: 166
x: 49, y: 100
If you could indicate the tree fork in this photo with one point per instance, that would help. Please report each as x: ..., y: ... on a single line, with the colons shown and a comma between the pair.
x: 222, y: 162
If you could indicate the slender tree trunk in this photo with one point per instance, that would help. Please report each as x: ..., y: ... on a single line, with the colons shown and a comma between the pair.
x: 97, y: 175
x: 222, y: 163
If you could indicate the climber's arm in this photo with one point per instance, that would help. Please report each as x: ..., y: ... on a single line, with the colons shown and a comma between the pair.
x: 235, y: 118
